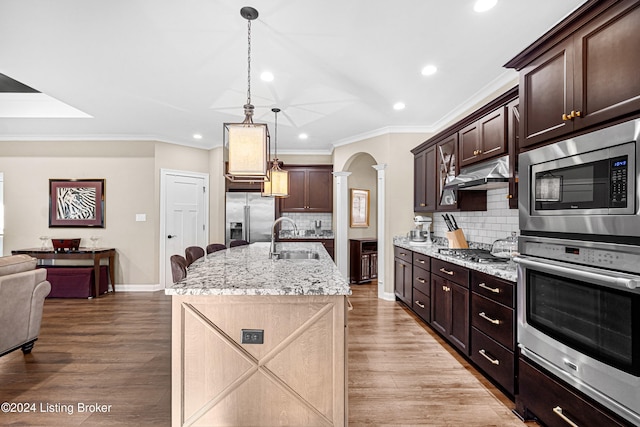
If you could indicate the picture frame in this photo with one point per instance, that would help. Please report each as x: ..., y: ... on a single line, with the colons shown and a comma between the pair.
x: 359, y: 208
x: 76, y: 203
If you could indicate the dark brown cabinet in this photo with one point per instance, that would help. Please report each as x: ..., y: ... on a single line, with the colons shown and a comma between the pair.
x: 402, y: 275
x: 310, y: 189
x: 424, y: 196
x: 493, y: 337
x: 554, y: 404
x: 583, y: 73
x: 421, y: 300
x: 363, y: 254
x: 482, y: 135
x: 483, y: 139
x: 450, y: 303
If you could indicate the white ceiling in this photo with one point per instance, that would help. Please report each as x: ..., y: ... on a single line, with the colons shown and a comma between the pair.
x: 166, y: 69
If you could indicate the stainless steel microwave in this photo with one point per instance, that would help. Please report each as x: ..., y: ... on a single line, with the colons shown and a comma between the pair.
x: 586, y: 186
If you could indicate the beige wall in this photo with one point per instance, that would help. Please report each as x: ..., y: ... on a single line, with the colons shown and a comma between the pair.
x: 394, y: 151
x: 364, y: 177
x: 128, y: 170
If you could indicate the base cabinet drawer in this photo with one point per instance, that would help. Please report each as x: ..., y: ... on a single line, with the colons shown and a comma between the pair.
x: 495, y: 360
x: 422, y: 280
x: 421, y: 305
x: 556, y: 405
x: 493, y: 319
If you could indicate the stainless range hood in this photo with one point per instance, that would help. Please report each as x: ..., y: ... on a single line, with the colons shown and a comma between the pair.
x: 482, y: 176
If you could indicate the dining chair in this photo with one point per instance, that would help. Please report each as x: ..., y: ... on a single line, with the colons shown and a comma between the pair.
x: 193, y: 253
x: 178, y: 267
x: 215, y: 247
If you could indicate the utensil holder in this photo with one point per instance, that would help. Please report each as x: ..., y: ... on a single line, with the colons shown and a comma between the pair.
x: 456, y: 239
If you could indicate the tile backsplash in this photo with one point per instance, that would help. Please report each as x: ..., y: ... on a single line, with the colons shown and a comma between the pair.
x: 306, y: 221
x: 485, y: 227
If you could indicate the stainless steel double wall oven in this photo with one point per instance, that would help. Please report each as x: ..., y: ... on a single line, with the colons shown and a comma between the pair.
x: 579, y: 264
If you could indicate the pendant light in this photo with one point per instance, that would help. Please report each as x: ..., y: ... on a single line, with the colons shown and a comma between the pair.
x: 278, y: 184
x: 246, y: 144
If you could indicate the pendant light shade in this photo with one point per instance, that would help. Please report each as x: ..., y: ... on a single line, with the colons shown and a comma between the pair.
x: 246, y: 144
x: 278, y: 184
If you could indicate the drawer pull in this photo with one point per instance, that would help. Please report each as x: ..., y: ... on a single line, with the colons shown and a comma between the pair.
x: 446, y: 288
x: 403, y: 254
x: 421, y: 261
x: 489, y: 319
x: 421, y: 280
x: 450, y: 273
x: 484, y: 286
x: 419, y: 304
x: 486, y: 356
x: 558, y: 411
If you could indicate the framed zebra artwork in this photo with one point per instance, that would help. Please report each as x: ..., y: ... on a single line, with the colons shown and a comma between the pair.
x: 76, y: 203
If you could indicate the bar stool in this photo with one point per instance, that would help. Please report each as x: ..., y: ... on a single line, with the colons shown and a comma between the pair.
x: 193, y: 253
x: 215, y: 247
x: 235, y: 243
x: 178, y: 267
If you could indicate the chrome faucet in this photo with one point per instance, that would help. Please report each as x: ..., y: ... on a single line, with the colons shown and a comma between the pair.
x: 272, y: 248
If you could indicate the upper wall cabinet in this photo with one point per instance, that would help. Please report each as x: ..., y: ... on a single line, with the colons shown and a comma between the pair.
x: 484, y: 138
x: 483, y: 134
x: 310, y: 189
x: 424, y: 195
x: 582, y: 73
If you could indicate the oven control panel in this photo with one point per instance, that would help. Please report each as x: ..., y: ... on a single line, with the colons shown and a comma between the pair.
x: 592, y: 257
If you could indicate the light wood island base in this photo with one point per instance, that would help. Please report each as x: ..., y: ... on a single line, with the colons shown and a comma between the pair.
x: 297, y: 377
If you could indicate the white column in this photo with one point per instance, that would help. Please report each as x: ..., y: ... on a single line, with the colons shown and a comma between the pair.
x: 342, y: 221
x: 382, y: 241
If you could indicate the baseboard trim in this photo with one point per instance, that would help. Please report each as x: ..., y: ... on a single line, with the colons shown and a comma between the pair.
x: 151, y: 287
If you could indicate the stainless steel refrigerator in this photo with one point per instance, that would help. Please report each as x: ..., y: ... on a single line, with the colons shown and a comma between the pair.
x: 249, y: 216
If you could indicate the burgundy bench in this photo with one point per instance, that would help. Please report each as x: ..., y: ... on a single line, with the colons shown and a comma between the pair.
x: 75, y: 282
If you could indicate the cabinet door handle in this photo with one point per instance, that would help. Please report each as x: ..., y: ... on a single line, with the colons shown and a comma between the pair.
x: 490, y: 359
x: 446, y: 288
x: 575, y: 114
x: 419, y: 304
x: 422, y: 204
x: 450, y: 273
x: 489, y: 319
x: 484, y: 286
x: 565, y: 117
x: 558, y: 411
x: 421, y: 280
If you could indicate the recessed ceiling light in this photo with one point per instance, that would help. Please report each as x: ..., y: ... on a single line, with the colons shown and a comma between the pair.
x: 266, y: 76
x: 197, y: 136
x: 429, y: 70
x: 303, y: 136
x: 484, y: 5
x: 399, y: 106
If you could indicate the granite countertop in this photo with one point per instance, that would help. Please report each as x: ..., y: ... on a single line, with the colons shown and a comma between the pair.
x: 506, y: 271
x: 247, y: 270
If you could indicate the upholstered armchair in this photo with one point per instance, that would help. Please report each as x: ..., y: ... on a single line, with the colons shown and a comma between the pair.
x: 23, y: 288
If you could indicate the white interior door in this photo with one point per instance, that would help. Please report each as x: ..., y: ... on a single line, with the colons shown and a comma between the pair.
x: 185, y: 217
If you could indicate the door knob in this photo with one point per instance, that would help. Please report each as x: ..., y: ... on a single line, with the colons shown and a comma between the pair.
x: 171, y: 236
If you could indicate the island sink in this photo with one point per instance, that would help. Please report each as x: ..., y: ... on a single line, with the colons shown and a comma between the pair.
x: 297, y: 255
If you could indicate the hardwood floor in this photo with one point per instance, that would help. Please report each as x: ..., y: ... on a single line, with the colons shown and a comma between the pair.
x: 116, y: 351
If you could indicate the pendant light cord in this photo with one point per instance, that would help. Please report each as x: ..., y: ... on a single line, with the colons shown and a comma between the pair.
x: 249, y: 62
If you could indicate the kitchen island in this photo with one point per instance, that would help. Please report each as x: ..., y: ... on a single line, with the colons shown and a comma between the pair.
x: 259, y: 341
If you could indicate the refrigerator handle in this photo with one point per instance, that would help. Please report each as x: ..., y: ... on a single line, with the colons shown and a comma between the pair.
x: 246, y: 232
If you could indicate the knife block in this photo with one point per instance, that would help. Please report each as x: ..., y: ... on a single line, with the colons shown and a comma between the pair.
x: 456, y: 239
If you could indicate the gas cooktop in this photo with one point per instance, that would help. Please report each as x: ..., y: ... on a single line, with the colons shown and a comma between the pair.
x: 474, y: 255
